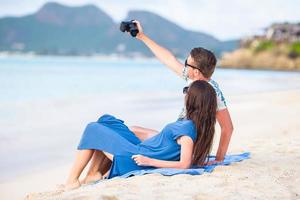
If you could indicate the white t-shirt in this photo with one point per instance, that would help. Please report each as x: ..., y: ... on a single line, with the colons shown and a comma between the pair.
x: 221, y: 102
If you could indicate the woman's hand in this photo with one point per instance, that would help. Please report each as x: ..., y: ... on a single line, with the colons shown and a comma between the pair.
x: 142, y: 160
x: 141, y: 32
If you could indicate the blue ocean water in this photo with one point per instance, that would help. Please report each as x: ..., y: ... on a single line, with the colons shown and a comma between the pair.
x: 27, y: 78
x: 47, y: 77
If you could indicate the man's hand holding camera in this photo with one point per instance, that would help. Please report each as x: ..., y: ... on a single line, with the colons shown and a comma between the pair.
x: 133, y: 28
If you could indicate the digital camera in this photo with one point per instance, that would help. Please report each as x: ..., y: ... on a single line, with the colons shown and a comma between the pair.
x: 129, y: 26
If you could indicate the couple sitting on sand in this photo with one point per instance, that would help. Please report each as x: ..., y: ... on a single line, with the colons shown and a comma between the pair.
x: 114, y: 149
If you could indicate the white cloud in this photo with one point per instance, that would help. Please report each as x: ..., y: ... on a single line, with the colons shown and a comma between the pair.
x: 223, y: 19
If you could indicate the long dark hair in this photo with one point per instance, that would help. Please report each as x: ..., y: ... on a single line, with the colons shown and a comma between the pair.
x: 201, y: 107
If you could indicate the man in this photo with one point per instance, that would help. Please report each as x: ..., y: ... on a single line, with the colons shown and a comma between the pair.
x: 199, y: 65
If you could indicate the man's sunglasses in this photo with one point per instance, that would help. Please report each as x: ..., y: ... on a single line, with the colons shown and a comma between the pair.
x: 194, y: 67
x: 186, y: 64
x: 185, y: 90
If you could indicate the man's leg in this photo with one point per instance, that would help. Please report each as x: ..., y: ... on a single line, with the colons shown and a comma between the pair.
x: 143, y: 133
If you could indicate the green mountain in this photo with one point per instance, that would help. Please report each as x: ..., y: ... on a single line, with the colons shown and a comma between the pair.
x: 62, y: 30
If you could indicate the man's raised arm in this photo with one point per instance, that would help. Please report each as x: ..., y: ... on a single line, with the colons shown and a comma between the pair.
x: 162, y: 54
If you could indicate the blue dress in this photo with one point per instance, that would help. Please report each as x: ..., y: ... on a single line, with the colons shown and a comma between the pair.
x: 111, y: 135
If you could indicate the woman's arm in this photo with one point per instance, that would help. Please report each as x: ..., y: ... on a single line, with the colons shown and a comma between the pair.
x: 185, y: 157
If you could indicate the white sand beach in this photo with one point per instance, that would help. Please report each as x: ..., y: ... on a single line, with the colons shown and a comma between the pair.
x: 266, y: 124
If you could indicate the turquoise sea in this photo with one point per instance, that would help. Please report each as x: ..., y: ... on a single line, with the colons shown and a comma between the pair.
x: 26, y: 78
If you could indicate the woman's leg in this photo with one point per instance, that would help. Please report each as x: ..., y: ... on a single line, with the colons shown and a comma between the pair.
x: 81, y: 160
x: 107, y: 163
x: 105, y: 166
x: 99, y: 165
x: 108, y: 155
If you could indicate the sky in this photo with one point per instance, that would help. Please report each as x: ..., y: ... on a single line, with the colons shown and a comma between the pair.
x: 224, y: 19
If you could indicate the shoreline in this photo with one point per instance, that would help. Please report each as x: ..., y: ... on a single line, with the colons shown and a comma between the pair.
x: 125, y: 58
x: 109, y: 57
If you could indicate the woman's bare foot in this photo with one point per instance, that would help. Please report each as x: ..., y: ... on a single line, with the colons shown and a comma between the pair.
x: 91, y: 178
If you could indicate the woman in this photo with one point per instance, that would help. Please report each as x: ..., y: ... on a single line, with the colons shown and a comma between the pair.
x: 178, y: 145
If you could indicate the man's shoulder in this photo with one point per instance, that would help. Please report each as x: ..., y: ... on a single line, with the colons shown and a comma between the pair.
x: 221, y: 99
x: 213, y: 83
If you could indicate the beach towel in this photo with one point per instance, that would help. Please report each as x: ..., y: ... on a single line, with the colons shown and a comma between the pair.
x: 195, y: 170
